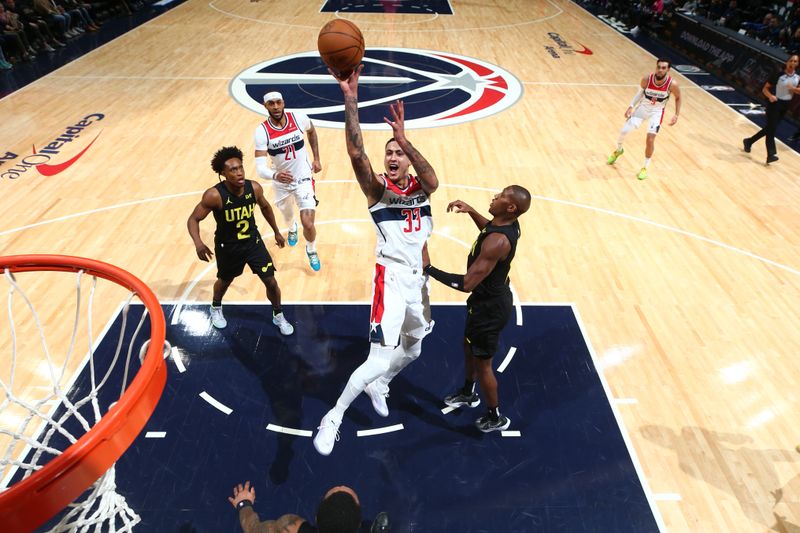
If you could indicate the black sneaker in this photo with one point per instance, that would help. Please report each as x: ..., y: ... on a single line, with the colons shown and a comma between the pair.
x: 747, y: 145
x: 771, y: 158
x: 486, y: 424
x: 381, y: 524
x: 459, y: 398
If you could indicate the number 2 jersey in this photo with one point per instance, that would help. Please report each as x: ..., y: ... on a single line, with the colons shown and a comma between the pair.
x: 403, y: 223
x: 286, y: 146
x: 236, y: 221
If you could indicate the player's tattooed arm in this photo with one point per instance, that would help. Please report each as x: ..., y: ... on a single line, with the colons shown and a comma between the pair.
x: 370, y: 184
x: 367, y: 180
x: 288, y: 523
x: 424, y: 170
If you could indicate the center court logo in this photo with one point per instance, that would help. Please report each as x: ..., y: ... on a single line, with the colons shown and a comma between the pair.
x: 43, y: 159
x: 439, y: 88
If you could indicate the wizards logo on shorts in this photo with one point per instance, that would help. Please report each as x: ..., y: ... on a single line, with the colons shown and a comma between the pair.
x: 438, y: 88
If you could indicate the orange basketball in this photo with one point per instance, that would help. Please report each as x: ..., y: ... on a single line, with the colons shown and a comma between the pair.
x: 341, y: 46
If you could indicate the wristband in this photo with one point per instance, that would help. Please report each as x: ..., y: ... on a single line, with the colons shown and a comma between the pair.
x: 242, y: 504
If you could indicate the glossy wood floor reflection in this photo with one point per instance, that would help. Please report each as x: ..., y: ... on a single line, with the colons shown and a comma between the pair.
x: 687, y: 284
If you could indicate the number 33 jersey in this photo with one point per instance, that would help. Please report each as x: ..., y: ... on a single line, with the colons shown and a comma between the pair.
x: 286, y: 146
x: 403, y: 223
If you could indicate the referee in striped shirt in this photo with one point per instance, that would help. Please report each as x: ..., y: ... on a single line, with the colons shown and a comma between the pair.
x: 779, y: 90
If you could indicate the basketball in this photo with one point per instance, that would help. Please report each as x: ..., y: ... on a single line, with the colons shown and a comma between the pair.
x: 341, y: 46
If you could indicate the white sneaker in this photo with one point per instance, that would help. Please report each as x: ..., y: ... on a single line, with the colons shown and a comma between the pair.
x: 327, y: 434
x: 217, y: 319
x: 378, y: 393
x: 283, y: 324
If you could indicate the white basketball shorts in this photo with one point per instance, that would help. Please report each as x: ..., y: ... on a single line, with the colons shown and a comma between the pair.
x: 302, y: 193
x: 654, y: 116
x: 400, y: 304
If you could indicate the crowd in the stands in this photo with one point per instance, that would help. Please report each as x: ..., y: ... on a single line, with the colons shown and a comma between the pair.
x: 775, y: 23
x: 34, y: 27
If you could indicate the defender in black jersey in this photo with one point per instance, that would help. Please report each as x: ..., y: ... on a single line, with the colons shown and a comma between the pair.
x: 338, y: 512
x: 490, y: 305
x: 237, y: 241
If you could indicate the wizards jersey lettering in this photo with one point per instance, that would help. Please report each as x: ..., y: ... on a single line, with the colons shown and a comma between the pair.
x: 403, y: 223
x: 286, y: 146
x: 657, y: 95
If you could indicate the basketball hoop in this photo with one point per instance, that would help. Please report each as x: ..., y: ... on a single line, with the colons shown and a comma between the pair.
x: 49, y: 486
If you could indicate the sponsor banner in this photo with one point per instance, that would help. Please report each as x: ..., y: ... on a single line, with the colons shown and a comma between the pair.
x: 47, y: 159
x: 563, y: 47
x: 614, y: 23
x: 727, y: 55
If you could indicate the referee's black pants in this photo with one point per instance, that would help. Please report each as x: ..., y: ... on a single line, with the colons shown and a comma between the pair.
x: 775, y: 112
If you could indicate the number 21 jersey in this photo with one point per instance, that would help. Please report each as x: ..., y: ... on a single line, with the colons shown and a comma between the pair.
x: 286, y: 146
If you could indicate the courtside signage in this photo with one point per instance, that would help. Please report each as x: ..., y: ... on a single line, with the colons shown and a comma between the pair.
x: 438, y: 88
x: 46, y: 160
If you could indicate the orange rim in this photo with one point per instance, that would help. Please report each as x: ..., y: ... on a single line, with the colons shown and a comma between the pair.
x: 31, y: 502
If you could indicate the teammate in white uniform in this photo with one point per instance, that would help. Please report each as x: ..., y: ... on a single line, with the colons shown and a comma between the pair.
x: 281, y: 137
x: 400, y: 208
x: 652, y: 100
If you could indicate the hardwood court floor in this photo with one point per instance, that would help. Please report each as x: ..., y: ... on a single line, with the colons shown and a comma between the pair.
x: 688, y: 283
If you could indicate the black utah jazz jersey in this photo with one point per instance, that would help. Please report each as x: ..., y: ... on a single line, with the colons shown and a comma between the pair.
x: 235, y: 221
x: 496, y: 283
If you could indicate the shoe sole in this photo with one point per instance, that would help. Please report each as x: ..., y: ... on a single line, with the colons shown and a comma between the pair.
x: 501, y: 428
x: 476, y: 403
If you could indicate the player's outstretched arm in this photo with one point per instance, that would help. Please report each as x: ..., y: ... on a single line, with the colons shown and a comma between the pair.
x: 248, y: 518
x: 463, y: 207
x: 370, y: 184
x: 425, y: 172
x: 494, y: 248
x: 211, y: 200
x: 269, y: 214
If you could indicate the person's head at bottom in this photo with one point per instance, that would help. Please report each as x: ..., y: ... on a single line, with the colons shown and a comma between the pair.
x: 339, y: 511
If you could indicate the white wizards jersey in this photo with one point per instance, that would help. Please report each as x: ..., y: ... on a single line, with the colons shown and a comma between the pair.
x: 286, y: 145
x: 403, y: 223
x: 657, y: 95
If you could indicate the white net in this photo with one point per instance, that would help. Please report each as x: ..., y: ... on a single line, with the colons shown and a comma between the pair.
x: 50, y: 398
